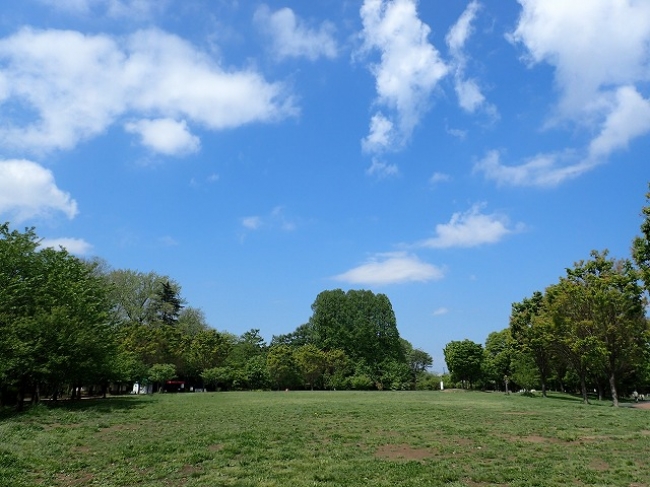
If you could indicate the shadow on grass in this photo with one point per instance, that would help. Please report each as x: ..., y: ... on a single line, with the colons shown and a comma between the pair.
x: 98, y: 405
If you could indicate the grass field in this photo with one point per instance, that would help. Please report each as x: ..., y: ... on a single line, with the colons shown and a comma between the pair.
x: 326, y: 439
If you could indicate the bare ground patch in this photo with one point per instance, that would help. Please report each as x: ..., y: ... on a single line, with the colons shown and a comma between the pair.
x: 403, y: 452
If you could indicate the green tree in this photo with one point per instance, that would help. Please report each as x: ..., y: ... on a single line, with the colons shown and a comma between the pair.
x: 168, y: 303
x: 360, y: 323
x: 464, y: 360
x: 161, y: 373
x: 600, y: 313
x: 311, y: 363
x: 281, y: 365
x: 499, y: 352
x: 55, y: 327
x: 533, y: 335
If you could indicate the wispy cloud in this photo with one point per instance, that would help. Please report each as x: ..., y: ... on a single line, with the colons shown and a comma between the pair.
x: 406, y: 75
x: 471, y: 229
x: 391, y: 268
x: 440, y: 312
x: 28, y: 190
x: 292, y: 37
x: 470, y: 96
x: 276, y: 219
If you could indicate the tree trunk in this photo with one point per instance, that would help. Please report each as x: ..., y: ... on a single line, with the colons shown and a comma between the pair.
x: 543, y: 388
x: 612, y: 386
x: 583, y: 388
x: 600, y: 390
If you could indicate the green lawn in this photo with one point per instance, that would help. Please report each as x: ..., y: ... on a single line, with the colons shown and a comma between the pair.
x: 326, y: 439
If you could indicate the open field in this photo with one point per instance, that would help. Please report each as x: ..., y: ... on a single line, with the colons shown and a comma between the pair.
x: 326, y: 439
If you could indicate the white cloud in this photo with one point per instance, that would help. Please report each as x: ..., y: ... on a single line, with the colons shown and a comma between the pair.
x: 410, y: 67
x: 291, y: 37
x: 78, y: 85
x: 381, y: 136
x: 599, y: 50
x: 28, y: 190
x: 470, y: 229
x: 594, y: 46
x: 391, y: 268
x: 251, y: 222
x: 382, y: 169
x: 470, y: 97
x: 440, y: 312
x: 628, y: 117
x: 75, y: 246
x: 542, y: 170
x: 165, y: 136
x: 439, y: 177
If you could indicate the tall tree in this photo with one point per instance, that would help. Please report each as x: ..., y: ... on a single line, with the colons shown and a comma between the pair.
x: 464, y: 360
x: 360, y: 323
x: 54, y: 318
x: 641, y: 245
x: 499, y: 354
x: 532, y: 334
x: 600, y: 307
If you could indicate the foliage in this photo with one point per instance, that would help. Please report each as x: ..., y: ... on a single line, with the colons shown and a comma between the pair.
x: 465, y: 360
x: 161, y: 373
x: 55, y: 327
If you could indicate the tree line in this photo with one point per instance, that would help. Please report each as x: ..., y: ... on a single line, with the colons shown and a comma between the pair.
x: 69, y: 324
x: 587, y: 332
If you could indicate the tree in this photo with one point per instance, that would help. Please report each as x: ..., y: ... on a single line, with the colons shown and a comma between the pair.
x: 311, y: 363
x: 599, y: 312
x: 161, y: 373
x: 55, y: 326
x: 533, y: 336
x: 168, y: 303
x: 282, y: 366
x: 641, y: 245
x: 417, y: 360
x: 499, y: 351
x: 464, y: 360
x: 360, y: 323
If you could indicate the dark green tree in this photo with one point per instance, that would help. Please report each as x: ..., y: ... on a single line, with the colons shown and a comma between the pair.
x: 360, y: 323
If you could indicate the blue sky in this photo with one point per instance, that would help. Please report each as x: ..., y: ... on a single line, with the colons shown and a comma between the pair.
x: 456, y: 156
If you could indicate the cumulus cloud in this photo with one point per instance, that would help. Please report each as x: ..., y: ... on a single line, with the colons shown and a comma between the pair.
x: 391, y: 268
x: 292, y: 37
x: 599, y: 51
x: 78, y: 85
x: 75, y: 246
x: 28, y: 190
x: 593, y: 46
x: 165, y: 136
x: 408, y: 72
x: 470, y: 229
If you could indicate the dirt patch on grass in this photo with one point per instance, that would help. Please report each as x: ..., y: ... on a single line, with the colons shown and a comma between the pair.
x: 598, y: 465
x: 642, y: 405
x: 78, y: 480
x: 215, y: 447
x: 403, y: 452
